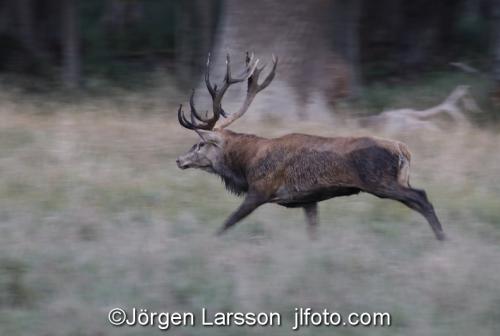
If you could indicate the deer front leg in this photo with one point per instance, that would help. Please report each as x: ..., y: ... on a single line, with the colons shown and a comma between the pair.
x: 311, y: 211
x: 251, y: 202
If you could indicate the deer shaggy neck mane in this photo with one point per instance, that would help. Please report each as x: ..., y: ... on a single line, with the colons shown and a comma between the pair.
x: 239, y: 150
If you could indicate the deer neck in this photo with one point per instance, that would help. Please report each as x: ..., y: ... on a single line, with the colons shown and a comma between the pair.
x: 239, y: 150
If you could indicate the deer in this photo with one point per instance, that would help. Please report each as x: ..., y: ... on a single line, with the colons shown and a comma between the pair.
x: 295, y: 170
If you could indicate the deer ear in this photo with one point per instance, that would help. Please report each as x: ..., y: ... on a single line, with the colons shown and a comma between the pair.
x: 211, y: 137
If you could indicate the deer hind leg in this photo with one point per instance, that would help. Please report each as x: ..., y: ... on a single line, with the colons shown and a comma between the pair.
x: 419, y: 202
x: 415, y: 199
x: 311, y: 212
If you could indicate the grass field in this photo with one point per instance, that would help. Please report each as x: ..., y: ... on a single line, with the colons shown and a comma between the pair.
x: 94, y: 214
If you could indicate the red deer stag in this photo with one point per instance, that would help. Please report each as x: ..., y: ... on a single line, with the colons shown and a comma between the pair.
x: 295, y: 170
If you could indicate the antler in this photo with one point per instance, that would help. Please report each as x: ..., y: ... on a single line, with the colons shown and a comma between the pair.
x: 218, y: 93
x: 197, y: 121
x: 253, y: 88
x: 251, y: 73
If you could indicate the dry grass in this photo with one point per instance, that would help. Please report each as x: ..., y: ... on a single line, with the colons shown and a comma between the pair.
x: 94, y: 214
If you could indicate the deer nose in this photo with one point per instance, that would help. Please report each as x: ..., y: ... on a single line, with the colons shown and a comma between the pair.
x: 180, y: 165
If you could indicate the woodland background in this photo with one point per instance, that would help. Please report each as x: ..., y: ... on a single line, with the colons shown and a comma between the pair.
x: 335, y: 49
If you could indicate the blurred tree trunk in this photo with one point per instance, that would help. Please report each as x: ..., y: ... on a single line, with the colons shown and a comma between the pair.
x: 404, y: 37
x: 299, y: 33
x: 118, y: 15
x: 25, y: 24
x: 195, y: 28
x: 71, y: 69
x: 495, y: 25
x: 346, y: 21
x: 418, y: 40
x: 27, y: 31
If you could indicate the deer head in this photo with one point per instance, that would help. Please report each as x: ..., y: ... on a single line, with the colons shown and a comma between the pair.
x: 206, y: 153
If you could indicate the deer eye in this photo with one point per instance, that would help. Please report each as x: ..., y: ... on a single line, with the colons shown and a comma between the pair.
x: 201, y: 144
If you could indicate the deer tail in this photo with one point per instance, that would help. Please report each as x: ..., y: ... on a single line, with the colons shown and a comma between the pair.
x: 404, y: 165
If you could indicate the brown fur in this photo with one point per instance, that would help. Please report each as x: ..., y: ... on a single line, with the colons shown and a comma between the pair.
x: 300, y: 163
x: 299, y: 170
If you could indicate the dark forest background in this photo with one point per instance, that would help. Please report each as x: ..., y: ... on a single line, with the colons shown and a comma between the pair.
x: 348, y: 44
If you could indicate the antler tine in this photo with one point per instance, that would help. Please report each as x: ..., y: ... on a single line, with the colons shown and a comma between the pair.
x: 250, y: 66
x: 228, y: 69
x: 253, y: 88
x: 228, y: 81
x: 193, y: 109
x: 211, y: 89
x: 182, y: 119
x: 249, y: 58
x: 269, y: 77
x: 193, y: 124
x: 197, y: 127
